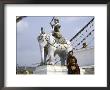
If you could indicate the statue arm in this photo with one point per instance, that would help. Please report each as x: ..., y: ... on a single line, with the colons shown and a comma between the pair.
x: 51, y: 22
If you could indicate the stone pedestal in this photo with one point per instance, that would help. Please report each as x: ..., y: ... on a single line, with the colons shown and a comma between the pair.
x: 61, y: 70
x: 51, y: 69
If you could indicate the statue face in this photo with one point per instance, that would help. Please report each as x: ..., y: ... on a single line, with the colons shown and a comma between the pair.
x: 40, y: 37
x: 55, y: 21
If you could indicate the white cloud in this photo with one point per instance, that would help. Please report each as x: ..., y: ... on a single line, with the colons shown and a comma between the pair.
x: 71, y: 19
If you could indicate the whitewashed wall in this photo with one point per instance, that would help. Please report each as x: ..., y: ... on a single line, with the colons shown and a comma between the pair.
x: 85, y: 56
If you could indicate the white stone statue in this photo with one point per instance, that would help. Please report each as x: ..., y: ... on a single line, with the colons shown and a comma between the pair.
x: 49, y: 47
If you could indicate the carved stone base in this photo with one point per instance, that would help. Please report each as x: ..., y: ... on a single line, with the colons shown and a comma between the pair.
x: 51, y: 69
x: 61, y: 70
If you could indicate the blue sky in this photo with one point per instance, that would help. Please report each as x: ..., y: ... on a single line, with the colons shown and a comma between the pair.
x: 28, y: 29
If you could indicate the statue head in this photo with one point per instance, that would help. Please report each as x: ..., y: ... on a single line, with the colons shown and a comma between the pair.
x: 42, y: 31
x: 56, y: 20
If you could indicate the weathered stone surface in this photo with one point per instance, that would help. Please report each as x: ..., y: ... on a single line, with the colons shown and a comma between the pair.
x: 51, y: 69
x: 61, y: 70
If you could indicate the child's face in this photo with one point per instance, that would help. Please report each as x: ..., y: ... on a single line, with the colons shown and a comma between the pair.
x: 73, y: 61
x: 71, y: 53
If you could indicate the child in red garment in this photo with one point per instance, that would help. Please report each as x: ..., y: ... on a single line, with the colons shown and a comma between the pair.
x: 72, y: 65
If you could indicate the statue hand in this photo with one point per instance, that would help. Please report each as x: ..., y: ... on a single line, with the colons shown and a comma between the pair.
x: 54, y: 17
